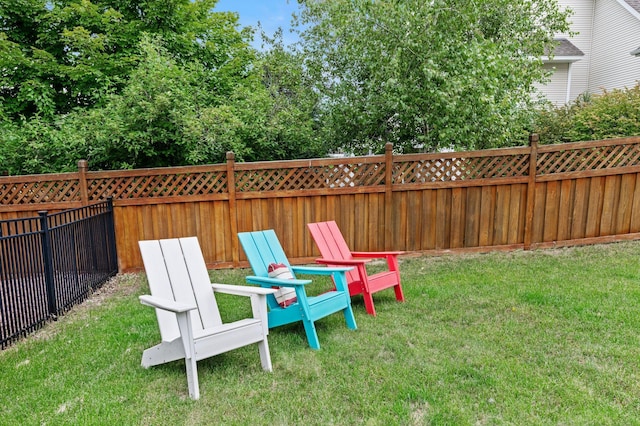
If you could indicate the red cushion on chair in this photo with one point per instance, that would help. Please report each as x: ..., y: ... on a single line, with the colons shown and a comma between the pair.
x: 285, y: 295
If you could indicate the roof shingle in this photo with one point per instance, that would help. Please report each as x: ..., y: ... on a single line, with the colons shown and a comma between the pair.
x: 566, y: 48
x: 635, y: 4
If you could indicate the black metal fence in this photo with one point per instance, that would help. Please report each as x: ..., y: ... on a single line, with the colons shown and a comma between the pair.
x: 50, y: 263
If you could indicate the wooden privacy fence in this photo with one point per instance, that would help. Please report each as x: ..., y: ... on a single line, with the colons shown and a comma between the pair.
x: 525, y: 197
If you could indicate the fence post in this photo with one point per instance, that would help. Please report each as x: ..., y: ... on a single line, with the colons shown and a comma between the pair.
x: 531, y: 190
x: 82, y: 179
x: 233, y: 216
x: 47, y: 255
x: 388, y: 195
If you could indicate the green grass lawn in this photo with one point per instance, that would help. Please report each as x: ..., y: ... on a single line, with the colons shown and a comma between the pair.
x: 539, y: 337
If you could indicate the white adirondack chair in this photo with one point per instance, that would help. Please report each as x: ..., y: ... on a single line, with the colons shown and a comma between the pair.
x: 190, y: 324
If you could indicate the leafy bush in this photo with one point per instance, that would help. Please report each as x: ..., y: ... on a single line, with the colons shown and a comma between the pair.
x: 170, y: 114
x: 611, y: 114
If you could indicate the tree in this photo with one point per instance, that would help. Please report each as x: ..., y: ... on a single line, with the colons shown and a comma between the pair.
x: 144, y: 84
x: 58, y: 55
x: 291, y: 127
x: 166, y: 115
x: 427, y: 74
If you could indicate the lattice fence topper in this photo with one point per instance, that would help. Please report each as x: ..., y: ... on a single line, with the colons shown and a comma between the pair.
x: 589, y: 158
x: 47, y: 191
x: 159, y: 185
x: 312, y: 177
x: 456, y: 169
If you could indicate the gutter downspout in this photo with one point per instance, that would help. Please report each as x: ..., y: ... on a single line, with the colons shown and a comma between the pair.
x: 567, y: 97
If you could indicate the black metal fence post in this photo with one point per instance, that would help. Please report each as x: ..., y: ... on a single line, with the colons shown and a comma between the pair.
x: 48, y: 263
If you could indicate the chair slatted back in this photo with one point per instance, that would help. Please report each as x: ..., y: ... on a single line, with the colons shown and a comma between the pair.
x: 262, y: 248
x: 176, y: 270
x: 332, y: 244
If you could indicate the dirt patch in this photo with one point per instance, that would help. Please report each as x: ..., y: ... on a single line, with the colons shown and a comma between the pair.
x: 121, y: 285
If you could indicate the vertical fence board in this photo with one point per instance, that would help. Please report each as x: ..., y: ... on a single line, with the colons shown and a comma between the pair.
x: 565, y: 209
x: 540, y: 195
x: 127, y: 236
x: 443, y: 215
x: 219, y: 211
x: 609, y: 204
x: 376, y: 217
x: 473, y: 212
x: 625, y: 204
x: 429, y: 215
x: 296, y: 217
x: 501, y: 217
x: 204, y: 228
x: 487, y: 215
x: 517, y: 213
x: 458, y: 209
x: 580, y: 208
x: 357, y: 219
x: 413, y: 233
x: 552, y: 201
x: 635, y: 214
x: 594, y: 207
x: 399, y: 219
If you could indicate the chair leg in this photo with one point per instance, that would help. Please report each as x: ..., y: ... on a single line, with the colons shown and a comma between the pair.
x: 265, y: 358
x: 186, y: 331
x: 350, y: 318
x: 368, y: 303
x: 312, y: 335
x: 192, y: 378
x: 399, y: 295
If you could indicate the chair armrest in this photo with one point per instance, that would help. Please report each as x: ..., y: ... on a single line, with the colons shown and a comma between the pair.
x: 349, y: 262
x: 375, y: 254
x: 320, y: 270
x: 241, y: 290
x: 166, y: 305
x: 275, y: 281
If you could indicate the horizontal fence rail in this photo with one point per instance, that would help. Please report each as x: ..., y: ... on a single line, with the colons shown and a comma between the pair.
x: 50, y: 263
x: 509, y: 198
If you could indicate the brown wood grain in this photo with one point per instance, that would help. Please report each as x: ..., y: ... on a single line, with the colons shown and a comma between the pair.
x: 418, y: 202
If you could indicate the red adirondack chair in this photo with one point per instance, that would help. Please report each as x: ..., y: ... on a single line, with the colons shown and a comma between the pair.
x: 335, y: 252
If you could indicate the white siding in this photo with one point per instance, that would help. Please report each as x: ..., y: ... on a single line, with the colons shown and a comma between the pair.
x: 556, y: 90
x: 581, y: 22
x: 616, y: 33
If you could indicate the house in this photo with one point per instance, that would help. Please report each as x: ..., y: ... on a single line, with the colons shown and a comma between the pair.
x: 603, y: 55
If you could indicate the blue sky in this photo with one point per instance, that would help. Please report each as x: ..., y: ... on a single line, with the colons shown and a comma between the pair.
x: 270, y: 13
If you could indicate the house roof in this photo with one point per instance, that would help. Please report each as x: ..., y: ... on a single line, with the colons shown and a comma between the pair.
x: 566, y: 48
x: 565, y: 51
x: 635, y: 4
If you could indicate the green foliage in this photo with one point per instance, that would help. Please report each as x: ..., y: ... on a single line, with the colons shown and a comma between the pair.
x: 144, y: 84
x: 38, y: 146
x: 151, y: 122
x: 290, y: 105
x: 427, y: 75
x: 611, y: 114
x: 62, y: 54
x: 169, y: 82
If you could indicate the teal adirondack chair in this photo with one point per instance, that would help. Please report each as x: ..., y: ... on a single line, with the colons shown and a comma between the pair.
x: 262, y: 249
